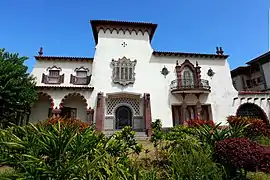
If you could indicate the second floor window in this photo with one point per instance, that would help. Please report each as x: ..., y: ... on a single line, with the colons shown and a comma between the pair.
x: 54, y: 73
x: 81, y: 73
x: 123, y: 71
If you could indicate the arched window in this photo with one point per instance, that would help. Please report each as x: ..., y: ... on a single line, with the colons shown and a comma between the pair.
x: 123, y: 117
x: 251, y: 110
x: 187, y: 77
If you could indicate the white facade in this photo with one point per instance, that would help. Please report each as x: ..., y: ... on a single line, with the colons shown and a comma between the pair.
x: 117, y: 40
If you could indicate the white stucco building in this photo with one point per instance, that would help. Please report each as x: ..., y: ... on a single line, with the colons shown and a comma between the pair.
x: 127, y: 82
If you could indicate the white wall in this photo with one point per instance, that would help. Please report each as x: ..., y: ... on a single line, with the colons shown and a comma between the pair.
x: 68, y: 68
x: 150, y: 80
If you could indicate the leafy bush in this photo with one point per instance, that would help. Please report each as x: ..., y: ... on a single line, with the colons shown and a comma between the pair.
x: 237, y: 153
x: 256, y: 127
x: 64, y: 152
x: 199, y: 123
x: 189, y: 160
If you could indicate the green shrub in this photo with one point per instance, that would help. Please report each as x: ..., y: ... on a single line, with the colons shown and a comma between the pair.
x: 66, y: 152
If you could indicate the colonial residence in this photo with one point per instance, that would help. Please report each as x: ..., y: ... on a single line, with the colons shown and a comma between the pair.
x: 128, y: 83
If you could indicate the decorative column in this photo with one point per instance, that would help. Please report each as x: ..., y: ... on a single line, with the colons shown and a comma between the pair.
x: 90, y: 116
x: 198, y: 74
x: 198, y: 107
x: 147, y: 114
x: 183, y: 109
x: 178, y: 74
x: 100, y: 112
x: 56, y: 113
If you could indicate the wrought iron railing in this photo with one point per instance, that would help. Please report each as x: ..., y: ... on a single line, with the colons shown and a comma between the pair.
x: 80, y: 80
x: 189, y: 84
x: 52, y: 79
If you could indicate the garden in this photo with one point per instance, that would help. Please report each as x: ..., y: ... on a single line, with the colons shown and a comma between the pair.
x: 70, y: 149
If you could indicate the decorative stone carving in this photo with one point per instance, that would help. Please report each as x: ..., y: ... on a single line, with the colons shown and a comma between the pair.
x: 82, y: 68
x: 123, y: 71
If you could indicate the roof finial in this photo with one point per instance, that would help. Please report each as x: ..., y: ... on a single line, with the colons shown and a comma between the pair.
x: 217, y: 51
x: 221, y: 51
x: 40, y: 51
x: 197, y: 63
x: 177, y: 63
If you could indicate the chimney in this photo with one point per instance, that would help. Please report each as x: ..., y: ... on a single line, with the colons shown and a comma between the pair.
x: 219, y: 51
x: 40, y: 51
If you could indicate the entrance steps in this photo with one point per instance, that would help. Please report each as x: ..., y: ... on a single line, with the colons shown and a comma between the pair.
x: 138, y: 136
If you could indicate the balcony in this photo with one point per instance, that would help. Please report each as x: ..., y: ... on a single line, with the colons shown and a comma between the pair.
x: 46, y: 79
x: 189, y: 86
x: 80, y: 80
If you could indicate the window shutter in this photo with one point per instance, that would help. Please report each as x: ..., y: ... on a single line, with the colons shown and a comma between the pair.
x: 72, y: 79
x: 44, y: 79
x: 61, y: 79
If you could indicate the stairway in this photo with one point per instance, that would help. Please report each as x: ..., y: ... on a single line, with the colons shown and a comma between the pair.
x: 138, y: 136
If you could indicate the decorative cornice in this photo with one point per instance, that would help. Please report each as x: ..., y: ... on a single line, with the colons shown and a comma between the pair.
x: 63, y: 58
x: 189, y: 55
x: 123, y: 26
x: 66, y: 87
x: 54, y: 67
x: 81, y: 69
x: 253, y: 92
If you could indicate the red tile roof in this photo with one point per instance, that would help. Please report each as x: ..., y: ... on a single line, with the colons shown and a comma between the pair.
x: 63, y: 58
x: 65, y: 87
x: 121, y: 24
x: 186, y: 54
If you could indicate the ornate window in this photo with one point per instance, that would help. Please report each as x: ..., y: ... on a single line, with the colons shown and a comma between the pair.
x: 188, y: 77
x: 53, y: 76
x: 123, y: 71
x: 81, y: 77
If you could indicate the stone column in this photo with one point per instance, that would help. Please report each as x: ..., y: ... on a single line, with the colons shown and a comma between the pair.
x: 100, y: 112
x: 198, y: 107
x: 147, y: 114
x: 183, y: 112
x: 56, y: 113
x: 90, y: 116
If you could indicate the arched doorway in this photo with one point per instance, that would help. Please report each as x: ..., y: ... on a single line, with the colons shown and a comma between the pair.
x: 42, y: 108
x: 123, y: 116
x: 252, y: 110
x: 74, y: 106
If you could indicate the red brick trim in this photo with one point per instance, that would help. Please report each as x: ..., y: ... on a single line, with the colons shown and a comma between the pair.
x: 100, y: 111
x: 147, y: 114
x: 48, y: 96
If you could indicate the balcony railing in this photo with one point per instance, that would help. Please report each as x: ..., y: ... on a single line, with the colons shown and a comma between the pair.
x: 80, y: 80
x: 46, y: 79
x: 189, y: 85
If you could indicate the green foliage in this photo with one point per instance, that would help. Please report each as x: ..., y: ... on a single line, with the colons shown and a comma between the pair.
x: 193, y: 162
x: 58, y: 152
x: 157, y: 133
x: 17, y: 88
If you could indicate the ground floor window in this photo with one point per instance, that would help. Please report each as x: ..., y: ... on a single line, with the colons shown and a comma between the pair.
x: 190, y: 113
x: 123, y: 117
x: 69, y: 112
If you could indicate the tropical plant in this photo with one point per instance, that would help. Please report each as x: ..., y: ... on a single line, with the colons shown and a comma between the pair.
x: 17, y: 89
x: 199, y: 122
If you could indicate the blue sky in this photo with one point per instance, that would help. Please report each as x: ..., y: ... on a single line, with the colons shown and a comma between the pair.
x: 62, y: 26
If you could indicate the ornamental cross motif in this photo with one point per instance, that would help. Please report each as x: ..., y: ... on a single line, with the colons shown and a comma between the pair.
x: 123, y: 71
x: 124, y: 44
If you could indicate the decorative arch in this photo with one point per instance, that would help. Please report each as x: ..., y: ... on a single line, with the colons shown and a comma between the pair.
x: 124, y: 104
x: 74, y: 94
x: 124, y: 30
x: 48, y: 96
x: 123, y: 116
x: 252, y: 110
x: 195, y: 70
